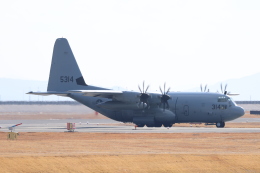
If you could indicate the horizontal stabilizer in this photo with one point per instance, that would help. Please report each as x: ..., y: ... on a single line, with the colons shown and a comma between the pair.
x: 97, y: 93
x: 49, y: 93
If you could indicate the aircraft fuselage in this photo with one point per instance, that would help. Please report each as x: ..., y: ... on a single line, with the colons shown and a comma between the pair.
x: 184, y: 107
x: 142, y: 108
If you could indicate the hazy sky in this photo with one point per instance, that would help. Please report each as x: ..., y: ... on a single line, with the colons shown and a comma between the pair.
x: 122, y: 43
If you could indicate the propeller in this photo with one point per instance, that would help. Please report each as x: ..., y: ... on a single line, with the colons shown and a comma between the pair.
x: 164, y: 97
x: 205, y: 88
x: 144, y: 96
x: 225, y: 89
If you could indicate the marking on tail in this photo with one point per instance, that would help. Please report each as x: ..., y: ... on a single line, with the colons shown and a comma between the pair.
x: 81, y: 81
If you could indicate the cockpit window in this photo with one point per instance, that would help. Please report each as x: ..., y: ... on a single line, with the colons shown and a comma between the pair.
x: 222, y: 99
x: 230, y: 99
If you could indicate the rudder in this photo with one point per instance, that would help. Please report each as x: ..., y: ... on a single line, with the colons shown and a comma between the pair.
x: 64, y: 73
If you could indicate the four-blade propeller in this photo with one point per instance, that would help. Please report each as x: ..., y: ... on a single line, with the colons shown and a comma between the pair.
x: 225, y: 90
x: 205, y: 88
x: 164, y: 97
x: 144, y: 96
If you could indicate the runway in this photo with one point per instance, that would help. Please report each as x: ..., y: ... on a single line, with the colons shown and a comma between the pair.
x: 111, y: 126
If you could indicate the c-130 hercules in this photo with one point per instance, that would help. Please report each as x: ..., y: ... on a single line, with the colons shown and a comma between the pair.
x: 150, y: 109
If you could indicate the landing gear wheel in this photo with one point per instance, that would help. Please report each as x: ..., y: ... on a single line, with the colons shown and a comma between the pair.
x: 167, y: 125
x: 220, y: 124
x: 158, y: 125
x: 150, y: 125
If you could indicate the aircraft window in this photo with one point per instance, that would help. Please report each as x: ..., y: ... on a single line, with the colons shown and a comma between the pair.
x: 222, y: 99
x: 232, y: 101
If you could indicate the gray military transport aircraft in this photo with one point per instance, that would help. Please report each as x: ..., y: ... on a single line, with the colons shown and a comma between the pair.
x: 144, y: 108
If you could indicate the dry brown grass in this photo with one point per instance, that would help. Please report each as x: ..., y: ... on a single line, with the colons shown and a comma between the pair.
x: 54, y: 144
x: 101, y: 152
x: 133, y: 163
x: 248, y: 115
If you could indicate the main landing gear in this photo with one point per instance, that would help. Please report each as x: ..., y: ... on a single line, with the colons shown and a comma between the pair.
x: 220, y: 124
x: 155, y: 125
x: 167, y: 125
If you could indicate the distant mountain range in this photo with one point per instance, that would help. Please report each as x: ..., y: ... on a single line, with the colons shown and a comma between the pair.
x: 14, y: 89
x: 247, y: 87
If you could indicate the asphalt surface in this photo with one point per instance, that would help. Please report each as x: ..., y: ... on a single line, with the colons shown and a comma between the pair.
x: 111, y: 126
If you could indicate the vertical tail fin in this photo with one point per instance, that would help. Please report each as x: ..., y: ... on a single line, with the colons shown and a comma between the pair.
x: 64, y: 73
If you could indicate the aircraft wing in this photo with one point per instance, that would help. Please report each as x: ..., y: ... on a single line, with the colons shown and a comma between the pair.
x: 91, y: 93
x: 48, y: 93
x: 97, y: 93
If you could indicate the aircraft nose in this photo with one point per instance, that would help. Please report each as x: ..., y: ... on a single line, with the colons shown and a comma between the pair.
x: 239, y: 111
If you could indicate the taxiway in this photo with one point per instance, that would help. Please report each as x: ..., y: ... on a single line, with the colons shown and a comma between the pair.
x: 111, y: 126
